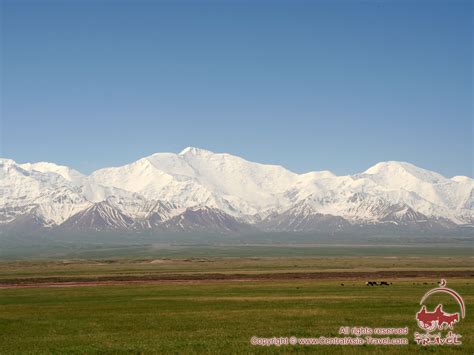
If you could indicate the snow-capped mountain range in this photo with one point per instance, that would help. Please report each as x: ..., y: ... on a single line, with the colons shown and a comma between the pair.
x: 198, y: 190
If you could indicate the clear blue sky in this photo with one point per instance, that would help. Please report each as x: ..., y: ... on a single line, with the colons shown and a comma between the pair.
x: 311, y: 85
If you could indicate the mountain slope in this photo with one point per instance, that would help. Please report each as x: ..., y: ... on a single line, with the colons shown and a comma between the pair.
x: 205, y: 219
x: 98, y: 217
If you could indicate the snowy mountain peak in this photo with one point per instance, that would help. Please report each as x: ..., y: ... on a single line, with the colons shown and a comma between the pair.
x: 44, y: 167
x: 194, y: 151
x: 392, y: 165
x: 5, y: 161
x: 397, y: 169
x: 462, y: 179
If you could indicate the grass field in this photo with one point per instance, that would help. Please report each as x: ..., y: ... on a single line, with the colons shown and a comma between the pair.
x: 179, y: 306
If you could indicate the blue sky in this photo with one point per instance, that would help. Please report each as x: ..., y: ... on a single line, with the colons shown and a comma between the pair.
x: 310, y: 85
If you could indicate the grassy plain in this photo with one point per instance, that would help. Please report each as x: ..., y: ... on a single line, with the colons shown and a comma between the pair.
x: 178, y: 305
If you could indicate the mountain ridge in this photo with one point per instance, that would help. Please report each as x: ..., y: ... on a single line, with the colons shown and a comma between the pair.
x: 222, y: 192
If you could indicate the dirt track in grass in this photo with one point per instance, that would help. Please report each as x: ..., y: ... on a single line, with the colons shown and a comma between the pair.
x: 216, y: 277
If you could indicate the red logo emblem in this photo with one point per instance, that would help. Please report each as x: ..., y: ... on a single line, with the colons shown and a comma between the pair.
x: 439, y: 319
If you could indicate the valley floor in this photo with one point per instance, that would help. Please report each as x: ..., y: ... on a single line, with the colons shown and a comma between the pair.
x: 217, y: 304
